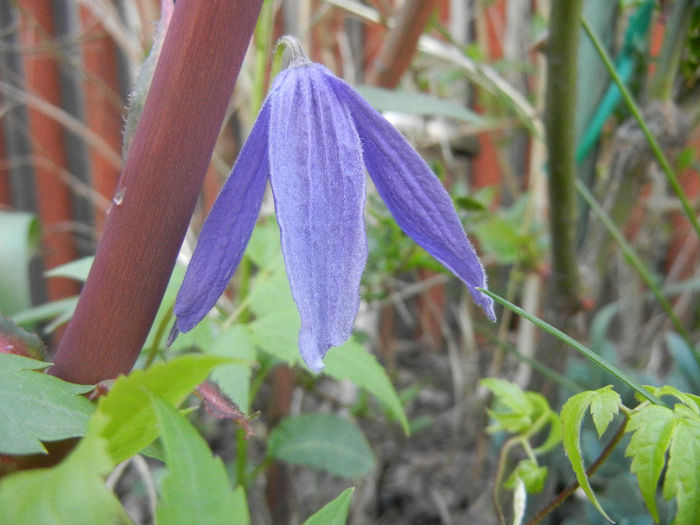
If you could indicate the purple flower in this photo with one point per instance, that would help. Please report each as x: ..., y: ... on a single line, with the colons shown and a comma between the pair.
x: 314, y: 138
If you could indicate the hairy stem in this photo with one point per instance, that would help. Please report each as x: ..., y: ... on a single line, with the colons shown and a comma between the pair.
x: 560, y: 126
x: 193, y: 82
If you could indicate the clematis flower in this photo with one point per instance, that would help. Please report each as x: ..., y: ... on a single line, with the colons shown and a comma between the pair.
x: 314, y: 139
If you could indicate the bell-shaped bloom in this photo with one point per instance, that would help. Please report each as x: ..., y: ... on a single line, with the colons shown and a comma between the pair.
x: 314, y: 139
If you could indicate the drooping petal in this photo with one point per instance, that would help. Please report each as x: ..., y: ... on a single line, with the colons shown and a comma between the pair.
x: 413, y: 194
x: 318, y: 182
x: 227, y: 230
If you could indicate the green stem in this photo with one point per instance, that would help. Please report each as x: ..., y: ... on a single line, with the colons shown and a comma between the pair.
x: 560, y: 126
x: 653, y: 144
x: 587, y: 352
x: 661, y: 85
x: 633, y: 259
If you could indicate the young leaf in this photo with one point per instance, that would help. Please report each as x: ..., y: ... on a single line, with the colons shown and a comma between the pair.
x: 682, y: 480
x: 571, y: 418
x: 196, y: 488
x: 37, y: 407
x: 352, y: 361
x: 604, y: 406
x: 530, y: 473
x: 653, y: 427
x: 513, y: 410
x: 334, y: 512
x: 322, y: 441
x: 131, y: 421
x: 77, y: 269
x: 71, y: 493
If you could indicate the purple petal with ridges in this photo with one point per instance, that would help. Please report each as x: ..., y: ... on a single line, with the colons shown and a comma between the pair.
x: 414, y: 195
x: 318, y: 182
x: 227, y: 230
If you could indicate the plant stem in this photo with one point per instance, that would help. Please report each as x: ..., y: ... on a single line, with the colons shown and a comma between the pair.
x: 587, y: 352
x: 172, y: 146
x: 400, y: 44
x: 653, y: 143
x: 560, y: 127
x: 661, y: 84
x: 562, y: 496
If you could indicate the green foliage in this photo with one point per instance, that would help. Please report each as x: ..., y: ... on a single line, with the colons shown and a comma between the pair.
x: 196, y: 488
x: 572, y: 414
x: 531, y: 473
x: 20, y: 238
x: 130, y: 420
x: 660, y: 432
x: 352, y: 361
x: 37, y: 407
x: 323, y: 441
x: 72, y: 493
x: 417, y: 104
x: 334, y: 512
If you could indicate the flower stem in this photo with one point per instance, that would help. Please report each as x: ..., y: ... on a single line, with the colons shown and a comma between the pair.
x: 172, y: 146
x: 560, y: 126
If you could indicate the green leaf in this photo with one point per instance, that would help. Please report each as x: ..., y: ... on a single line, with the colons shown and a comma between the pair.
x: 196, y: 488
x: 652, y: 428
x: 532, y: 475
x: 37, y: 407
x: 417, y: 104
x: 234, y: 379
x: 276, y: 333
x: 131, y: 422
x: 20, y: 238
x: 334, y: 512
x: 264, y: 245
x: 77, y: 270
x: 682, y: 480
x: 571, y: 419
x: 512, y: 410
x: 322, y: 441
x: 62, y: 310
x: 352, y: 361
x: 71, y: 493
x: 604, y: 406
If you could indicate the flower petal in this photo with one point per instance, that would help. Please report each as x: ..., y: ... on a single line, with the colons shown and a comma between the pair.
x: 227, y: 230
x: 414, y: 195
x: 318, y: 181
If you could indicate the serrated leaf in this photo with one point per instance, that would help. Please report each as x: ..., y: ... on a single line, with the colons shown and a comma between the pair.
x: 571, y: 419
x: 71, y: 493
x: 553, y: 437
x: 323, y: 441
x: 196, y: 488
x: 687, y: 399
x: 352, y: 361
x: 77, y: 270
x: 131, y: 422
x: 682, y: 480
x: 38, y: 407
x: 604, y: 406
x: 652, y: 427
x: 334, y: 512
